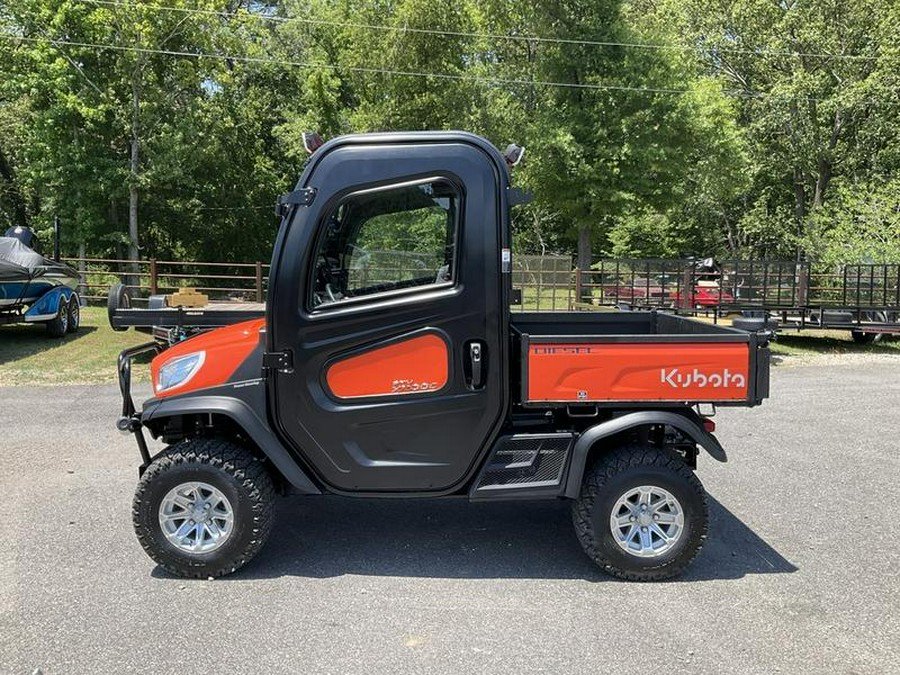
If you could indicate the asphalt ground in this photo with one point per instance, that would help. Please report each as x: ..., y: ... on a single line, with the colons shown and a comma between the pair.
x: 801, y: 573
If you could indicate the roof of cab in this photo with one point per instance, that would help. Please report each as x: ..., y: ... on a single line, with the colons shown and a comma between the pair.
x: 411, y: 137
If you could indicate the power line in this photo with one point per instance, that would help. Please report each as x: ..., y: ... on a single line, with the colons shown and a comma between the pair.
x: 493, y: 36
x: 357, y: 69
x: 402, y: 73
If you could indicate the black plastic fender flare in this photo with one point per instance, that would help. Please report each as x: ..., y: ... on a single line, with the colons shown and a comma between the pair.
x: 617, y: 425
x: 244, y: 416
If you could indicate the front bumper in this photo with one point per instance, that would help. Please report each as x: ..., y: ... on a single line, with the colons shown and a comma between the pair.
x: 130, y: 421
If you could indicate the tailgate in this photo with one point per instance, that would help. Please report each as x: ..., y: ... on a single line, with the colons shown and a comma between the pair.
x: 730, y: 369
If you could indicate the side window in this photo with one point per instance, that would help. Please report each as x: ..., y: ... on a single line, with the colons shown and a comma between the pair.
x: 387, y: 240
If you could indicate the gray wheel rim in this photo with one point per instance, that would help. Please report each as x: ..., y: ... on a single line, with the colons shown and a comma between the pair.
x: 196, y: 517
x: 63, y: 315
x: 74, y: 314
x: 647, y: 521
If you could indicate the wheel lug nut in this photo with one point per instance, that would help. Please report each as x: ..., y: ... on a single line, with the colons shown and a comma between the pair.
x: 655, y: 516
x: 631, y: 519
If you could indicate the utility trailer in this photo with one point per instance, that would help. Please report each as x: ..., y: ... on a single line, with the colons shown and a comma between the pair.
x: 168, y: 324
x: 369, y: 378
x: 861, y: 298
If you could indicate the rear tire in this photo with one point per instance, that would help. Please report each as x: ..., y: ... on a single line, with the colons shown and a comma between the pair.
x: 629, y: 541
x: 861, y: 338
x: 74, y: 314
x: 59, y: 324
x: 204, y: 508
x: 118, y: 298
x: 749, y: 324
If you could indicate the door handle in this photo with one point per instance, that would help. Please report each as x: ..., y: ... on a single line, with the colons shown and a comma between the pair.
x: 476, y: 361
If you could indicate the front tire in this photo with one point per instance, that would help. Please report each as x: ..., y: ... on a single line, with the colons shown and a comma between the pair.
x: 642, y: 514
x: 204, y: 508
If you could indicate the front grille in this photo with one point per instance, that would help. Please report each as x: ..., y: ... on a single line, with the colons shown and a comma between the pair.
x: 526, y: 460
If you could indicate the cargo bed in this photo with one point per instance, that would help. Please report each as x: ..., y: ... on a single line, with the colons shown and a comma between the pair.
x: 641, y: 358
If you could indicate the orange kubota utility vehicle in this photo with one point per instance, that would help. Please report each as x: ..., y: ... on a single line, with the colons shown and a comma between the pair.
x: 389, y: 364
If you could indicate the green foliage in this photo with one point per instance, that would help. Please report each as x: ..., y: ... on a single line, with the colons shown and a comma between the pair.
x: 208, y: 170
x: 746, y: 128
x: 419, y: 231
x: 860, y: 224
x: 815, y: 93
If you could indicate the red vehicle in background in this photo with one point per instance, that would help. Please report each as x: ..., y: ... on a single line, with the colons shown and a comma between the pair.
x: 704, y: 294
x: 634, y: 291
x: 706, y: 288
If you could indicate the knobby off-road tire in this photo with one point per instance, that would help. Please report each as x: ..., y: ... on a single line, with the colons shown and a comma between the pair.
x: 208, y: 471
x: 59, y: 324
x: 625, y: 472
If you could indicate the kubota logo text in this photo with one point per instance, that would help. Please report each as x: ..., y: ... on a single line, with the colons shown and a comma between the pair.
x: 696, y: 378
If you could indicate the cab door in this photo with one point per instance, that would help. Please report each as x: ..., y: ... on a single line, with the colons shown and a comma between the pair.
x: 388, y: 297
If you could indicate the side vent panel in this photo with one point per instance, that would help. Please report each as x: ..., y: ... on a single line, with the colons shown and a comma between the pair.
x: 524, y: 463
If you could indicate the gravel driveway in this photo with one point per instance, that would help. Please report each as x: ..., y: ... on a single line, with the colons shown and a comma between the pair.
x: 801, y: 573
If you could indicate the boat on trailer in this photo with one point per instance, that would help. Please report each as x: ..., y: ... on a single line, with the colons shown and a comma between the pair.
x: 35, y: 289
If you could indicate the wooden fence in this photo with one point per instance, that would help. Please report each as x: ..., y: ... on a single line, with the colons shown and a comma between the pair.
x: 218, y: 280
x: 549, y: 283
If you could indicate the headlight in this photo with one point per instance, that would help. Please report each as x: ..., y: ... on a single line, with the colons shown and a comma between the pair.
x: 179, y: 371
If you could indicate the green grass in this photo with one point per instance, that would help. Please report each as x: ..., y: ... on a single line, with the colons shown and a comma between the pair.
x: 546, y: 298
x: 29, y: 357
x: 829, y: 342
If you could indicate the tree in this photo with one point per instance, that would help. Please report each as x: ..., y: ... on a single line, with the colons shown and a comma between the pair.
x: 153, y: 109
x: 676, y: 127
x: 804, y: 74
x: 859, y: 225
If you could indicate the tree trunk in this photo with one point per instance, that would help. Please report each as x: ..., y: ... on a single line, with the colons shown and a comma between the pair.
x: 82, y: 271
x: 825, y: 162
x: 799, y: 208
x: 135, y: 166
x: 584, y: 261
x: 799, y: 183
x: 822, y: 182
x: 133, y: 246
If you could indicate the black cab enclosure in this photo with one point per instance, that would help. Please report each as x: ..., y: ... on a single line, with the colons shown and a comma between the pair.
x: 388, y: 286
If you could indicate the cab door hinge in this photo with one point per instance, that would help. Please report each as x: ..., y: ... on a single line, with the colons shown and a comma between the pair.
x: 301, y: 197
x: 283, y: 362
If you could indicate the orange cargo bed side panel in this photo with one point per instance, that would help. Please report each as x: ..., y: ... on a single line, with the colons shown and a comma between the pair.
x: 638, y: 371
